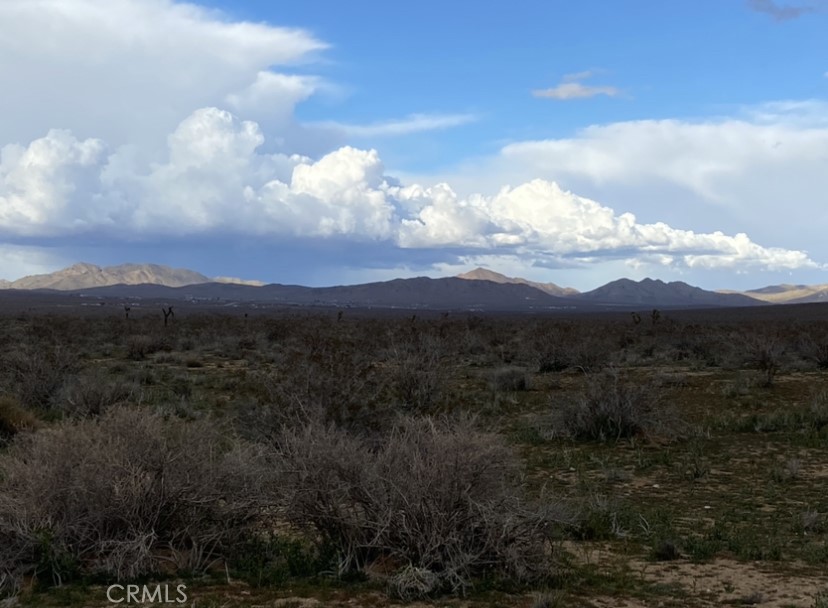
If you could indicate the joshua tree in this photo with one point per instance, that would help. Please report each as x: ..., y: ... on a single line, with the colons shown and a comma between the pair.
x: 636, y: 318
x: 339, y: 315
x: 168, y: 314
x: 126, y: 311
x: 655, y: 315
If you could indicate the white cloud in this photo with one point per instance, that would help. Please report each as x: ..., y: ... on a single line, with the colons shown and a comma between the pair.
x: 130, y: 70
x: 217, y: 182
x: 571, y: 88
x: 541, y: 220
x: 274, y: 95
x: 414, y: 123
x: 575, y: 90
x: 18, y: 261
x: 50, y: 181
x: 214, y: 180
x: 750, y: 171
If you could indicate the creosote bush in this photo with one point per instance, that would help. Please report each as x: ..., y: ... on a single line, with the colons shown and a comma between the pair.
x: 124, y: 495
x: 767, y: 354
x: 440, y: 497
x: 612, y: 408
x: 14, y: 418
x: 92, y: 393
x: 419, y: 379
x: 36, y: 375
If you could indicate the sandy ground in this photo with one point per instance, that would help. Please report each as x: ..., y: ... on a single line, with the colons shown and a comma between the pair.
x: 725, y: 582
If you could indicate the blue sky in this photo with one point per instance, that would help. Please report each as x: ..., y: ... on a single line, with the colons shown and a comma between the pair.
x: 323, y: 142
x: 668, y: 59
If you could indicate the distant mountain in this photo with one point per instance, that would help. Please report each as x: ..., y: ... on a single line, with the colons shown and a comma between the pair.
x: 820, y: 295
x: 650, y: 292
x: 419, y: 293
x: 788, y: 294
x: 483, y: 274
x: 479, y: 289
x: 85, y: 276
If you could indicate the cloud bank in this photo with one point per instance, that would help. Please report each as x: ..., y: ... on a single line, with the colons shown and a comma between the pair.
x: 216, y: 182
x: 736, y: 173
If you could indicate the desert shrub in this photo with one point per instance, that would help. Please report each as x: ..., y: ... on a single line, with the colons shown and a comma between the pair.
x: 418, y: 378
x: 413, y: 583
x: 821, y: 599
x: 36, y: 374
x: 122, y: 495
x: 602, y: 517
x: 14, y: 418
x: 508, y: 380
x: 548, y: 347
x: 665, y: 550
x: 548, y: 599
x: 816, y: 417
x: 91, y: 393
x: 333, y: 384
x: 141, y: 346
x: 441, y: 497
x: 814, y: 347
x: 612, y: 408
x: 767, y: 354
x: 590, y: 352
x: 269, y: 559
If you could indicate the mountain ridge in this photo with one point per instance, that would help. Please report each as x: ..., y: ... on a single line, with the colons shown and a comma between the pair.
x: 787, y: 293
x: 448, y: 293
x: 479, y: 288
x: 655, y: 292
x: 85, y: 276
x: 484, y: 274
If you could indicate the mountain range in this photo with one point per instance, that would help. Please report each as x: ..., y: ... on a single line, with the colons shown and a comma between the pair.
x: 84, y: 276
x: 788, y: 294
x: 479, y: 289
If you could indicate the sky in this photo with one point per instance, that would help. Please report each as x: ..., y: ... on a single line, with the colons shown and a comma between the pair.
x: 324, y: 142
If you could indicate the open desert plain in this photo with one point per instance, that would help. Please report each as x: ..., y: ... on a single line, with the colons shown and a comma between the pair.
x: 349, y: 458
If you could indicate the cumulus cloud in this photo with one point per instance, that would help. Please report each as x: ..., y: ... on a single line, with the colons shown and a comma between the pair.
x: 54, y: 175
x: 217, y: 182
x: 571, y: 87
x: 779, y: 11
x: 214, y: 179
x: 734, y: 174
x: 540, y: 219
